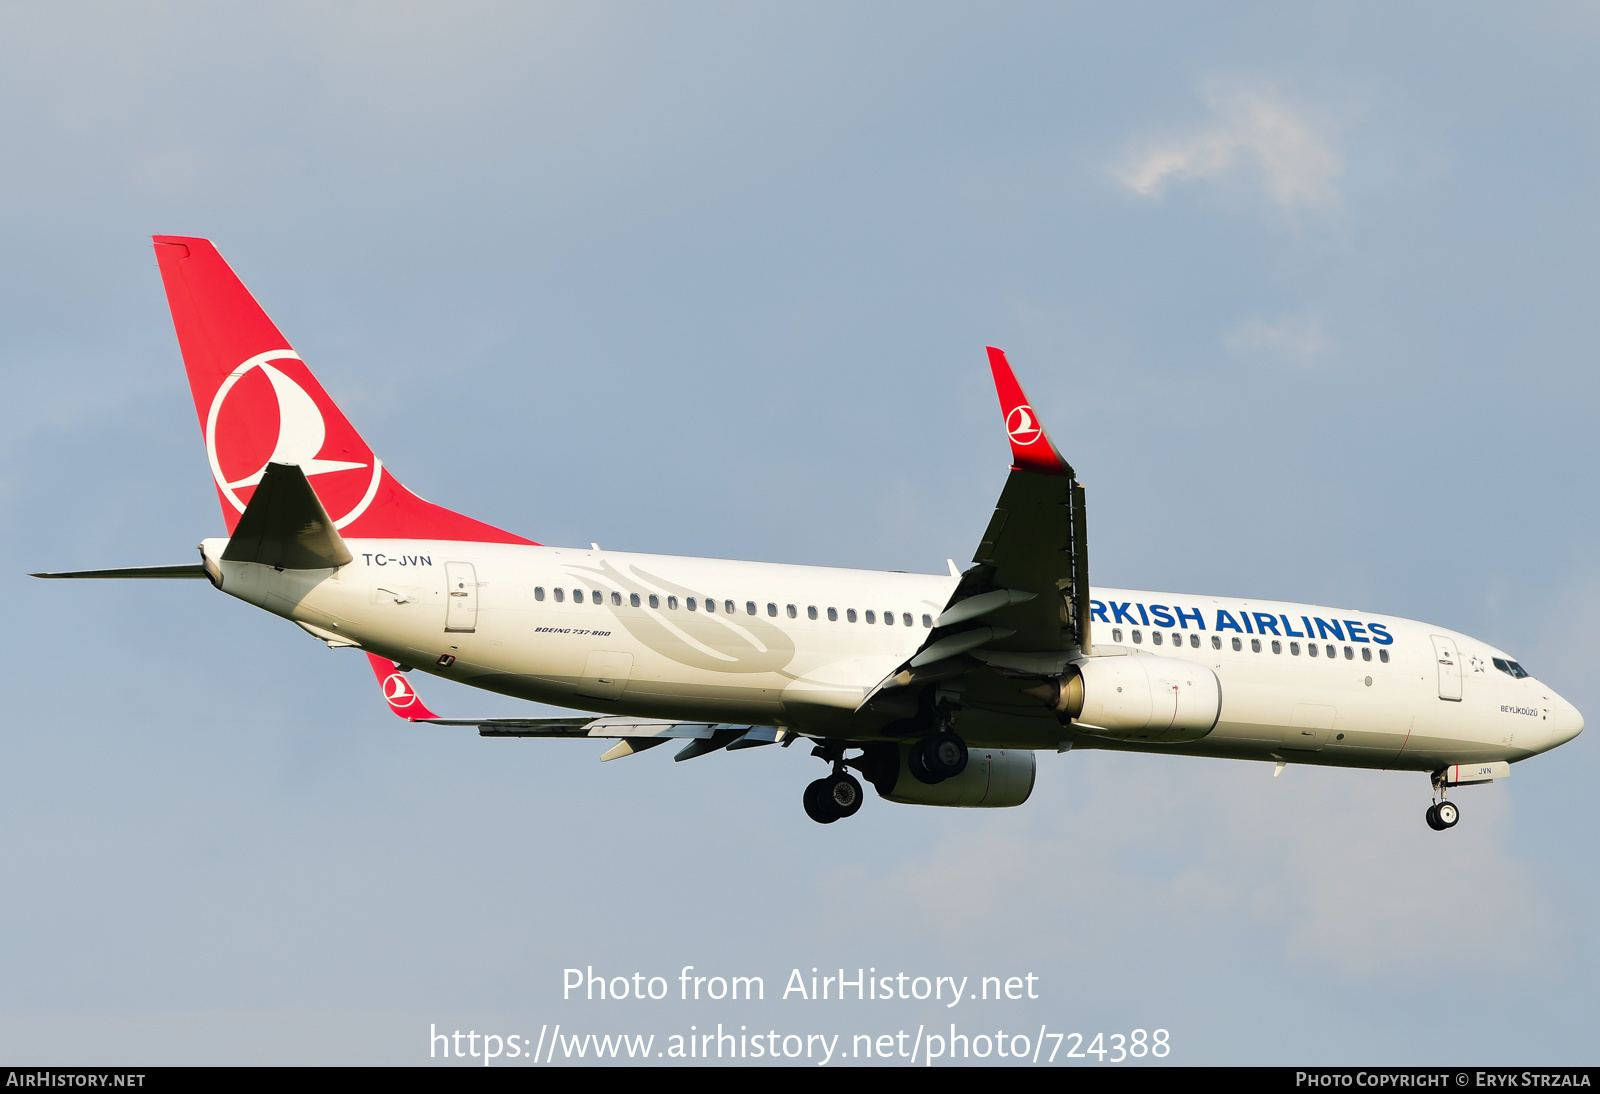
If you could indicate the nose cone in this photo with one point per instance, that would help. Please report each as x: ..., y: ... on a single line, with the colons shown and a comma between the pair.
x: 1565, y: 721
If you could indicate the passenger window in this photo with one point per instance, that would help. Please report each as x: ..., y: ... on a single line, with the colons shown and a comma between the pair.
x: 1216, y: 641
x: 1194, y: 641
x: 1294, y: 648
x: 811, y: 611
x: 616, y: 599
x: 538, y: 592
x: 888, y: 619
x: 633, y: 600
x: 927, y: 620
x: 1137, y: 636
x: 560, y: 596
x: 727, y: 606
x: 689, y: 604
x: 905, y: 619
x: 1383, y: 655
x: 655, y: 601
x: 1177, y: 639
x: 1277, y: 647
x: 1237, y: 645
x: 772, y: 609
x: 872, y: 617
x: 850, y: 615
x: 749, y: 607
x: 711, y: 603
x: 1311, y: 648
x: 672, y: 602
x: 577, y: 596
x: 833, y: 615
x: 1155, y: 637
x: 1349, y: 654
x: 1255, y: 645
x: 792, y: 613
x: 1116, y: 634
x: 1366, y: 653
x: 1330, y: 650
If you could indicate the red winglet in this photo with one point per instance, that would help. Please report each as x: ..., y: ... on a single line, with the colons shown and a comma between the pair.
x: 1031, y: 449
x: 258, y: 403
x: 403, y: 698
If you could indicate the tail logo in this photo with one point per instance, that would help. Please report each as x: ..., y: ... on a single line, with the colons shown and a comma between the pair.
x: 1023, y: 426
x: 399, y: 693
x: 239, y: 447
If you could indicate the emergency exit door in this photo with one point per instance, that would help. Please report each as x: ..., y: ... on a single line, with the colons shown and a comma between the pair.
x: 1448, y: 655
x: 461, y: 605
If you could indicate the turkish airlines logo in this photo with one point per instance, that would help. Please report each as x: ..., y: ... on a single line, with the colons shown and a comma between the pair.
x: 1023, y: 426
x: 240, y: 442
x: 399, y: 693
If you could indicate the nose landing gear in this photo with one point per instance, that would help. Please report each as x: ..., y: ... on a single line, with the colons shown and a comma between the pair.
x: 1442, y: 814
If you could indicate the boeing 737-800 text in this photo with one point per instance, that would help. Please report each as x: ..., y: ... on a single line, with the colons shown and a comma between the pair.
x: 937, y: 688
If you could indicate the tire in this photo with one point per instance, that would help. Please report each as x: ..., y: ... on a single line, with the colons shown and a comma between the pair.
x: 917, y: 761
x: 844, y: 795
x: 1432, y: 817
x: 946, y: 755
x: 819, y: 803
x: 1447, y: 815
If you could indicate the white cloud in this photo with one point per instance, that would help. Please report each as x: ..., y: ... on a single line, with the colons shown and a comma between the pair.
x: 1294, y: 338
x: 1296, y: 164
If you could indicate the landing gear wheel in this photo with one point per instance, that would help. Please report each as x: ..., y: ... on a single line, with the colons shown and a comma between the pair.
x: 917, y: 761
x: 1432, y: 817
x: 1447, y: 815
x: 819, y: 802
x: 946, y: 755
x: 844, y: 794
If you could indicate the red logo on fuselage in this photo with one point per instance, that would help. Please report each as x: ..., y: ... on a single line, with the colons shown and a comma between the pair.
x: 1023, y: 426
x: 271, y: 410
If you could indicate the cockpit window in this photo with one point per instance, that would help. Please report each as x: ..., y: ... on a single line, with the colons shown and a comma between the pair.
x: 1510, y: 668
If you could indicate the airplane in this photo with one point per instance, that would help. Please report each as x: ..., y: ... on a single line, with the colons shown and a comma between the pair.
x: 938, y: 689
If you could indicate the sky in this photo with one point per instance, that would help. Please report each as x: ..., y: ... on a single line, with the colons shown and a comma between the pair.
x: 1304, y: 292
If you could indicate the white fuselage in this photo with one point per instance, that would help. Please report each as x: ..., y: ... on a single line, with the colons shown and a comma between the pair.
x: 803, y: 646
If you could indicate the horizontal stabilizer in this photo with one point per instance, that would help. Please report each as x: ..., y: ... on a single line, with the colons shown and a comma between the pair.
x: 182, y: 570
x: 286, y: 526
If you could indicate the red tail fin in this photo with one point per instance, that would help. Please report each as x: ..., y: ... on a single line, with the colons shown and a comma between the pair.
x: 403, y: 698
x: 259, y: 404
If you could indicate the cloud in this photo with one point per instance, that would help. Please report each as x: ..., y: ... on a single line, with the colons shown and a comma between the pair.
x: 1296, y: 164
x: 1294, y: 338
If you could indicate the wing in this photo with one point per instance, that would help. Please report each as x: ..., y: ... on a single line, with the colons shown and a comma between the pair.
x: 1022, y: 607
x: 632, y: 734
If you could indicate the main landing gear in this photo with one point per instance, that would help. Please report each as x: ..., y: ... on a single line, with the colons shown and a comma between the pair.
x: 839, y: 794
x: 933, y: 759
x: 1442, y: 814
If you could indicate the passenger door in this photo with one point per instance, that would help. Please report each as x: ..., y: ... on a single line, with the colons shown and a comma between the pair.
x: 461, y: 605
x: 1449, y: 658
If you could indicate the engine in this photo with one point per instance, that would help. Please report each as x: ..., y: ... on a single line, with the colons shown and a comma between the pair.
x: 994, y: 777
x: 1139, y: 697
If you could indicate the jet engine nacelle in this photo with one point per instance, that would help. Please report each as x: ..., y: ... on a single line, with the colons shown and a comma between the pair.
x: 993, y: 778
x: 1139, y: 697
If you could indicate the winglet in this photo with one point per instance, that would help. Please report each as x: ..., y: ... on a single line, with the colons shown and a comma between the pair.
x: 1031, y: 448
x: 402, y: 697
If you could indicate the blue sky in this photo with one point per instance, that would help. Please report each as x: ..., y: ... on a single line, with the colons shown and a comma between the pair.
x: 1304, y: 292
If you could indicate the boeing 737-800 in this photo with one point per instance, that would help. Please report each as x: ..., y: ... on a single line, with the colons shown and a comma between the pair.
x: 937, y: 688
